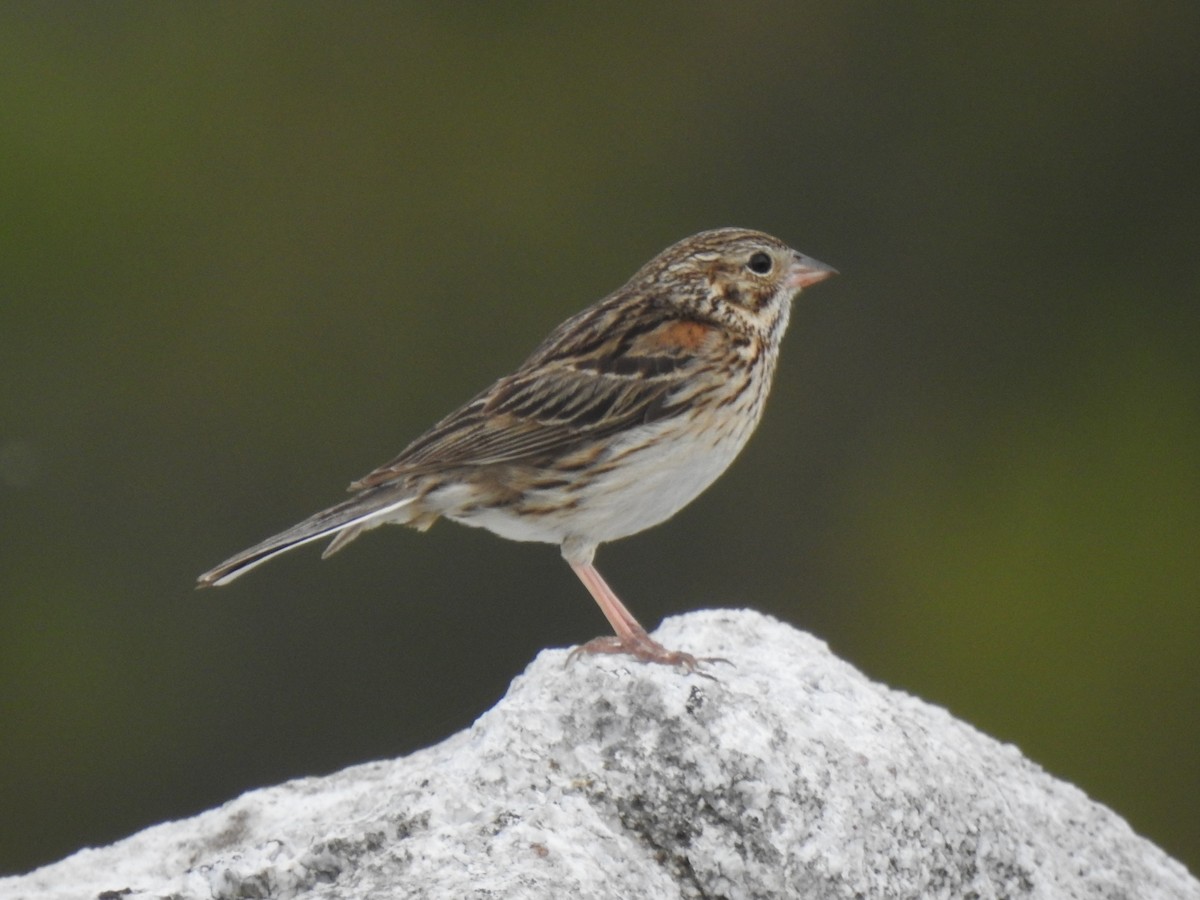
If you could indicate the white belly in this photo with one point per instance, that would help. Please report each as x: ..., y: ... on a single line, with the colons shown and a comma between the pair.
x: 649, y: 486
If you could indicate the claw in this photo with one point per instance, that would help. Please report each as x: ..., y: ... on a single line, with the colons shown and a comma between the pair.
x: 646, y: 649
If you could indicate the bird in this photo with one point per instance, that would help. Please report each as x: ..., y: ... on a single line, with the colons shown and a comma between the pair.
x: 622, y: 416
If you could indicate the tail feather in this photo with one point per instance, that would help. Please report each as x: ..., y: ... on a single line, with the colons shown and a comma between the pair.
x: 344, y: 522
x: 342, y: 538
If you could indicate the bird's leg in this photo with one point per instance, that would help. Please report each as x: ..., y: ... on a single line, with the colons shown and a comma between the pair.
x: 630, y: 637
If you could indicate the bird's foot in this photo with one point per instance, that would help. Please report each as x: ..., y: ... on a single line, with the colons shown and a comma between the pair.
x: 645, y: 649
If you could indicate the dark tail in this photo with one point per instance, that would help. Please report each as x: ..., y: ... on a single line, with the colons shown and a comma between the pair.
x: 342, y: 522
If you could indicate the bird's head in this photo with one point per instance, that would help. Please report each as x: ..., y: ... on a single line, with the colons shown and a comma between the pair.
x: 744, y: 280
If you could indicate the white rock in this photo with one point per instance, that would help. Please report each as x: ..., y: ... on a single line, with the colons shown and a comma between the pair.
x: 790, y: 776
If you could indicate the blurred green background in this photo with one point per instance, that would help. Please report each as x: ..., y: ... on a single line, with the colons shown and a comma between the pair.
x: 249, y: 251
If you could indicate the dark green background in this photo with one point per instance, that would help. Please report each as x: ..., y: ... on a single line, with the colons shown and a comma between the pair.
x: 249, y: 251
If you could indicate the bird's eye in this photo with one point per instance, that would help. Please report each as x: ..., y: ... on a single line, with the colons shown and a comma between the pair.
x: 760, y: 263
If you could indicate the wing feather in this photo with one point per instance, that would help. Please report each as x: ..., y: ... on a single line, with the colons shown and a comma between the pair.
x: 565, y: 395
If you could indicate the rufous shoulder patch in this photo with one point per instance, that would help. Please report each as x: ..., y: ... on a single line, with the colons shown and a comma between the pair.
x: 678, y: 335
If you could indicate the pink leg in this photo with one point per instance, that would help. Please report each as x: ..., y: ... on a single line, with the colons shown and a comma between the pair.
x: 631, y: 637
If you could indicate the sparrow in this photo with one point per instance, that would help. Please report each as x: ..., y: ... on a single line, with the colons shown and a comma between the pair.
x: 621, y: 417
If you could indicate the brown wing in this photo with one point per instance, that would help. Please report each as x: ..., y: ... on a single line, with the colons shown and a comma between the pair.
x: 590, y: 378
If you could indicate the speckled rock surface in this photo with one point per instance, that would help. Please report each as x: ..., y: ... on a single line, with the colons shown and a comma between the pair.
x: 791, y: 776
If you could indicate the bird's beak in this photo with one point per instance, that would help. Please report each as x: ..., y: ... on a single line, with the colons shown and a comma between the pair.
x: 806, y: 271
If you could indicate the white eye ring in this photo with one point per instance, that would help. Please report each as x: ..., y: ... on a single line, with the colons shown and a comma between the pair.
x: 760, y: 263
